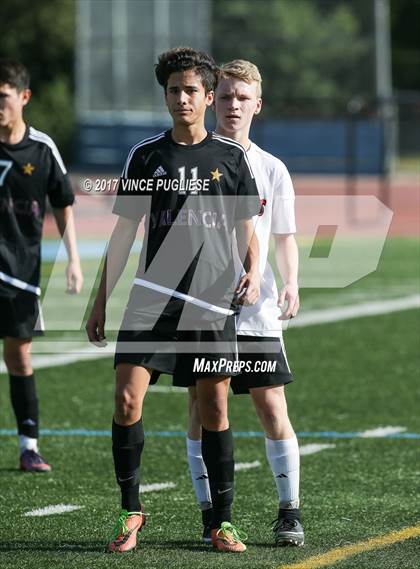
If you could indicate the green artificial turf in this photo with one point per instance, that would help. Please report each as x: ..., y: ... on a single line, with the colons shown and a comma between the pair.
x: 350, y: 376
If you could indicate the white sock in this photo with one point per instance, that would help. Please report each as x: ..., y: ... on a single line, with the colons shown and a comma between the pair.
x: 198, y: 473
x: 26, y: 443
x: 283, y: 456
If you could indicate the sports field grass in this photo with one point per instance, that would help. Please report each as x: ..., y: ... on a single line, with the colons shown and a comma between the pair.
x: 351, y: 376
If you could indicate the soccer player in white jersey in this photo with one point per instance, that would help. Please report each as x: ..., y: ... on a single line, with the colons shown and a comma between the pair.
x: 237, y: 100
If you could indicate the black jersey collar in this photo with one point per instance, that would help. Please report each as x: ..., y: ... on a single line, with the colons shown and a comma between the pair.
x: 182, y: 147
x: 21, y: 143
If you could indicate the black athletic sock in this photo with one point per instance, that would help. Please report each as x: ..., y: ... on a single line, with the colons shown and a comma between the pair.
x: 207, y: 516
x: 289, y: 514
x: 25, y: 404
x: 127, y: 446
x: 217, y: 449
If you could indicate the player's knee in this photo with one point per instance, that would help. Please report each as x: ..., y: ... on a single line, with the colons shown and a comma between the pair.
x: 272, y: 410
x: 18, y: 363
x: 17, y: 356
x: 216, y: 406
x: 270, y: 404
x: 269, y: 415
x: 214, y: 414
x: 126, y: 404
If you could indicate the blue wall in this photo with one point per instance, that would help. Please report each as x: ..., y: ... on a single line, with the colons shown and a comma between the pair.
x: 306, y: 146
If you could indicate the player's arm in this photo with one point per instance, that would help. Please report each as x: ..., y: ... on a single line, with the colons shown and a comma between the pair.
x: 248, y: 249
x: 65, y: 225
x: 248, y: 205
x: 61, y: 198
x: 287, y: 258
x: 119, y: 247
x: 130, y: 210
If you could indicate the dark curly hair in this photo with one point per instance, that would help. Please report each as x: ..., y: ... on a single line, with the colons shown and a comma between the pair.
x: 183, y: 59
x: 14, y: 73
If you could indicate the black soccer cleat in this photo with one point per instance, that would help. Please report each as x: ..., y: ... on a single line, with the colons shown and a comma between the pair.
x: 32, y: 461
x: 287, y: 532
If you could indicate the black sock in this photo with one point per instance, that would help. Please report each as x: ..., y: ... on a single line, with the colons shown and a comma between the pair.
x: 127, y: 446
x: 289, y: 514
x: 207, y: 516
x: 217, y: 449
x: 25, y: 404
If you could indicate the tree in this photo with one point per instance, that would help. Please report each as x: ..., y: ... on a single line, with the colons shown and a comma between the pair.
x: 405, y: 30
x: 311, y: 53
x: 40, y: 34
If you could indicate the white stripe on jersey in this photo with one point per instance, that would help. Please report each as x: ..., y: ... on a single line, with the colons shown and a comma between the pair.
x: 20, y: 284
x: 42, y: 137
x: 182, y: 296
x: 142, y: 143
x: 238, y: 145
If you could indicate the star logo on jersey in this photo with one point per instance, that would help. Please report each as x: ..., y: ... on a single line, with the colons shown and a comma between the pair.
x: 28, y: 169
x: 216, y: 175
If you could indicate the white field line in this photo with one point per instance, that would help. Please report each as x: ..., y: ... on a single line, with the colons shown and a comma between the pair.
x: 304, y: 450
x: 309, y: 318
x: 166, y: 389
x: 381, y: 432
x: 321, y: 315
x: 39, y: 362
x: 247, y: 465
x: 313, y: 317
x: 51, y: 510
x: 156, y: 486
x: 313, y: 448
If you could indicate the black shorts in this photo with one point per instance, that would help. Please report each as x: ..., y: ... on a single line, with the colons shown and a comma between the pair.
x: 166, y: 356
x: 260, y: 368
x: 21, y: 316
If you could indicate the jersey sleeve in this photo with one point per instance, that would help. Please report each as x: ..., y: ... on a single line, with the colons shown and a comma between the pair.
x: 60, y: 193
x: 248, y: 201
x: 130, y: 203
x: 283, y: 216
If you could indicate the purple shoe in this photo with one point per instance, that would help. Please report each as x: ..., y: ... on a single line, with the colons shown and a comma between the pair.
x: 31, y: 461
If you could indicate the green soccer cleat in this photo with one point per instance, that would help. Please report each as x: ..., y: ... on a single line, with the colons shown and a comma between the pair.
x: 124, y: 537
x: 228, y: 539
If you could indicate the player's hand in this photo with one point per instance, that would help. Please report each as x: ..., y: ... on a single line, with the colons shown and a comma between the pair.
x: 95, y: 326
x: 289, y: 295
x: 74, y: 277
x: 248, y: 289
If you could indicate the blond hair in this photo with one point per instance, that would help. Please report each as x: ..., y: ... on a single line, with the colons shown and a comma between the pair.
x: 243, y: 70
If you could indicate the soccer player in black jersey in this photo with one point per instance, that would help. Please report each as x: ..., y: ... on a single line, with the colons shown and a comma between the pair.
x: 31, y: 169
x: 193, y: 188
